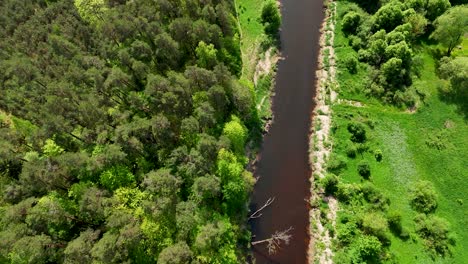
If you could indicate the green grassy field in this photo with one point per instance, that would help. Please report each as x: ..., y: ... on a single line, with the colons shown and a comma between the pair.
x: 249, y: 12
x: 407, y: 141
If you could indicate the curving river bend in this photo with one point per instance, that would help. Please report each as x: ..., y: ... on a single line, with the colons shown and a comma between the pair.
x: 283, y: 166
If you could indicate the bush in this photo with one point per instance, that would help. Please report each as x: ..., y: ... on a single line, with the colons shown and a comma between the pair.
x: 378, y: 155
x: 351, y: 63
x: 374, y: 196
x: 375, y: 224
x: 330, y: 184
x: 364, y: 169
x: 366, y: 249
x: 336, y: 164
x: 423, y: 197
x: 394, y: 221
x: 351, y: 151
x: 435, y: 232
x: 358, y: 132
x: 347, y: 192
x: 271, y: 18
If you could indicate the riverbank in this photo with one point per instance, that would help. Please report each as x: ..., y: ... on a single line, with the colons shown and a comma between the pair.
x: 323, y: 208
x: 374, y: 179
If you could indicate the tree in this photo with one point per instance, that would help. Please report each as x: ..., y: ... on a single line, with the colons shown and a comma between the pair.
x: 423, y: 197
x: 78, y: 249
x: 206, y: 55
x: 451, y: 26
x: 456, y: 71
x: 389, y: 16
x: 179, y: 253
x: 33, y: 249
x: 271, y: 18
x: 116, y: 177
x: 237, y: 134
x: 351, y: 22
x: 436, y: 8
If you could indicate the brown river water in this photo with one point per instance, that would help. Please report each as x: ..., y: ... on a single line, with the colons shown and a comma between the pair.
x: 283, y: 165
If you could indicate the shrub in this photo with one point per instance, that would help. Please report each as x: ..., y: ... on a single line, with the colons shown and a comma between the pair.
x: 374, y: 196
x: 435, y: 232
x: 336, y: 164
x: 375, y: 224
x: 364, y: 169
x: 358, y: 132
x: 346, y: 233
x: 394, y: 221
x: 271, y: 18
x: 423, y: 197
x: 351, y: 151
x: 351, y: 63
x: 378, y: 155
x: 366, y: 249
x: 347, y: 192
x: 330, y: 183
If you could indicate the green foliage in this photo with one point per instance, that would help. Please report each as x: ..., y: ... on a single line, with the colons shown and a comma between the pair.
x: 271, y: 18
x: 351, y: 21
x: 358, y: 132
x: 366, y: 249
x: 336, y: 164
x: 206, y: 55
x: 436, y: 234
x: 115, y: 177
x: 450, y: 27
x: 363, y: 169
x: 389, y: 16
x: 375, y: 224
x: 51, y: 149
x: 330, y: 183
x: 235, y: 131
x: 423, y: 197
x: 113, y: 114
x: 176, y: 254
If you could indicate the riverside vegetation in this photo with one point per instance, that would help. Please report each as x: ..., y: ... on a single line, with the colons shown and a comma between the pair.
x: 399, y: 135
x: 123, y: 126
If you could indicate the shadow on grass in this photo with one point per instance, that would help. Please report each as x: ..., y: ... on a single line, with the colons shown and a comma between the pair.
x: 459, y: 98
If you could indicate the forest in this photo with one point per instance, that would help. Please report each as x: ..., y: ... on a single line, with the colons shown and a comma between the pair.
x: 123, y: 127
x: 398, y: 138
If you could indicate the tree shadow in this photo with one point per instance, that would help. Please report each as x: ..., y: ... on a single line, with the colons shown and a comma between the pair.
x: 457, y: 98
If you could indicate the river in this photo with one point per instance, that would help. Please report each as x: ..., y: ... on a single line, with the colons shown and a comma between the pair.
x: 283, y: 165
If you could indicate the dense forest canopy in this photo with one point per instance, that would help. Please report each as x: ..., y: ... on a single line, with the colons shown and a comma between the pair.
x: 123, y: 127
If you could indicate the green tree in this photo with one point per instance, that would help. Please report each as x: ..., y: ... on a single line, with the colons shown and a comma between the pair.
x: 389, y: 16
x: 351, y: 22
x: 237, y: 134
x: 451, y: 26
x: 33, y: 249
x: 271, y: 18
x: 206, y: 55
x: 116, y: 177
x: 179, y: 253
x: 78, y: 249
x: 456, y: 71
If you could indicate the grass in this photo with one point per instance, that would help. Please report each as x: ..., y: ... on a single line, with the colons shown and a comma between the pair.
x: 249, y: 12
x: 406, y: 141
x: 252, y: 37
x: 464, y: 48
